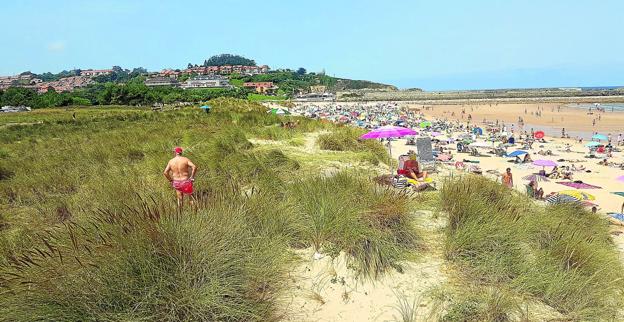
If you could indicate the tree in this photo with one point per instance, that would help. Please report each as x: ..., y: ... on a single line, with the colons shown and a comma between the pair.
x: 189, y: 66
x: 301, y: 71
x: 228, y: 59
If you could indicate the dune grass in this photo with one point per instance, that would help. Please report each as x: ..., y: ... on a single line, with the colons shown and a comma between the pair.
x: 560, y: 255
x: 89, y: 229
x: 348, y: 139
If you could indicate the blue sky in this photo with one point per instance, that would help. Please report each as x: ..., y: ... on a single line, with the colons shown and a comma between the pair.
x: 435, y: 45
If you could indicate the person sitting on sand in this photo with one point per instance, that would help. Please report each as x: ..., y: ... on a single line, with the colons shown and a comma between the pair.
x: 413, y: 169
x: 527, y: 158
x: 567, y: 173
x: 180, y: 172
x: 554, y: 174
x: 604, y: 162
x: 538, y: 193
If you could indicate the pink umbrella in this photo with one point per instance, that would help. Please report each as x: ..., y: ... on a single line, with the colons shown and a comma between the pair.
x: 620, y: 179
x: 545, y: 163
x: 388, y: 132
x: 434, y: 134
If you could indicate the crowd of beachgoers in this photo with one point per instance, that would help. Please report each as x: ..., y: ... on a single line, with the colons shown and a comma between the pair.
x: 564, y: 168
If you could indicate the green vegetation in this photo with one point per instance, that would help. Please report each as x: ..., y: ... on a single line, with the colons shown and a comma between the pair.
x: 131, y: 93
x: 228, y: 59
x: 560, y: 255
x: 89, y: 228
x: 348, y: 139
x: 261, y: 97
x: 290, y: 82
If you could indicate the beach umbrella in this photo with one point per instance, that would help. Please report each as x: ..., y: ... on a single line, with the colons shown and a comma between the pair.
x: 545, y: 163
x: 388, y: 132
x: 599, y: 137
x: 424, y: 124
x: 516, y: 153
x: 536, y: 178
x: 205, y: 107
x: 539, y: 134
x: 477, y: 130
x: 434, y: 134
x: 619, y: 193
x: 593, y: 144
x: 578, y: 194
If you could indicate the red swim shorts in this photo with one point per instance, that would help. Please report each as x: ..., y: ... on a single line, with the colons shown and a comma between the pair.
x: 184, y: 186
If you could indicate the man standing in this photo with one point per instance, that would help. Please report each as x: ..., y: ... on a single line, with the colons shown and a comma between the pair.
x: 177, y: 172
x: 508, y: 178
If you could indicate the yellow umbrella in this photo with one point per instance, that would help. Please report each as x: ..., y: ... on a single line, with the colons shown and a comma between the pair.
x: 578, y: 194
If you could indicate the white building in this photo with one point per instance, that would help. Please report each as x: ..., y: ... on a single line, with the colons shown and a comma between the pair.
x: 211, y: 81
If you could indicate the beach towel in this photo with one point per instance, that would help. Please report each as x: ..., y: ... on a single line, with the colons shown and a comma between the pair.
x: 619, y: 193
x: 184, y: 186
x: 617, y: 216
x: 578, y: 185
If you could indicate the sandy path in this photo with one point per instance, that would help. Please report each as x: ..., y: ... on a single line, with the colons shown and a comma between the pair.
x: 327, y: 289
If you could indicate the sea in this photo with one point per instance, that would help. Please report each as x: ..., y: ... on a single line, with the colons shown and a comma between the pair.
x: 609, y: 107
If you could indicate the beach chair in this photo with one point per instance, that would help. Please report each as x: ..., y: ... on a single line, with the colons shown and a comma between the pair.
x: 425, y: 154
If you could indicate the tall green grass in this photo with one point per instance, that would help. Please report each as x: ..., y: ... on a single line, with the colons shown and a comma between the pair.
x: 561, y: 255
x: 349, y: 213
x: 89, y: 229
x: 348, y: 139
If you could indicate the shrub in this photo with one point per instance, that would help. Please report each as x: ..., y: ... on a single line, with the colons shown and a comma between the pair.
x: 348, y: 139
x: 148, y: 263
x: 562, y: 255
x: 345, y: 212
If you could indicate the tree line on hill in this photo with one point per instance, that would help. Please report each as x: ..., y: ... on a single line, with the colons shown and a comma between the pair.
x: 134, y: 92
x: 126, y: 87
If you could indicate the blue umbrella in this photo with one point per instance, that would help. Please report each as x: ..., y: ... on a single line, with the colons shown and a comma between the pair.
x: 600, y: 137
x: 205, y: 107
x: 516, y: 153
x: 592, y: 144
x: 477, y: 130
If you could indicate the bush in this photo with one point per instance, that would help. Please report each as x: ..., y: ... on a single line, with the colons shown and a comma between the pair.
x: 348, y: 139
x: 562, y: 255
x: 149, y: 263
x: 348, y: 213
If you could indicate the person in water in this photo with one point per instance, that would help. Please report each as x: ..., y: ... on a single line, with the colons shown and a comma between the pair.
x: 180, y: 172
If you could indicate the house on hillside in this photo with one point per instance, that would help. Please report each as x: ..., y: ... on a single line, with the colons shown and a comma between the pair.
x: 65, y: 84
x: 95, y: 72
x: 210, y: 81
x: 267, y: 88
x: 162, y: 81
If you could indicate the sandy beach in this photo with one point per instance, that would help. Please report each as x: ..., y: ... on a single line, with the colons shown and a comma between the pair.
x: 551, y: 119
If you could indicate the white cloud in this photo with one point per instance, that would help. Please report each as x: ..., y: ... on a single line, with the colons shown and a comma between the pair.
x: 56, y: 46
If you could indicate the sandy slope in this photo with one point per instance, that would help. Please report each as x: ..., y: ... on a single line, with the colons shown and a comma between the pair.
x: 327, y: 289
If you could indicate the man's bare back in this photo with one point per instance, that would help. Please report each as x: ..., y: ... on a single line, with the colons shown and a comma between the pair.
x: 180, y: 172
x: 179, y: 168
